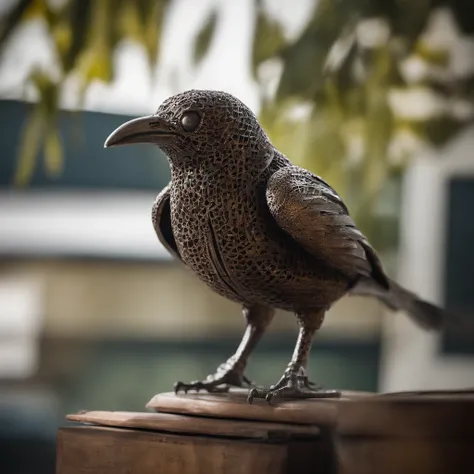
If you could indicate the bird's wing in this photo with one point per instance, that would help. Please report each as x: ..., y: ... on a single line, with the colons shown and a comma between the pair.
x: 312, y: 213
x: 161, y: 217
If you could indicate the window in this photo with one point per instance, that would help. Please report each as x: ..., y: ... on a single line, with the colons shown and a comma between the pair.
x: 459, y: 273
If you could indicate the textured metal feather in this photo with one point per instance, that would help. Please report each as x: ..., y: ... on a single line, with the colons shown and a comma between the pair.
x: 161, y: 219
x: 316, y: 218
x: 218, y: 262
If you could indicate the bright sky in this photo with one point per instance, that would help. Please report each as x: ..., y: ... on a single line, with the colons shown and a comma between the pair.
x: 134, y: 91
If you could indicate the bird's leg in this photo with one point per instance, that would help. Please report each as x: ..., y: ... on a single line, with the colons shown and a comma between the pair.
x: 294, y: 383
x: 231, y: 373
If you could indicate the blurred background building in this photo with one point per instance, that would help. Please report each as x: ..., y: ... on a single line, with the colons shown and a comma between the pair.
x: 94, y: 314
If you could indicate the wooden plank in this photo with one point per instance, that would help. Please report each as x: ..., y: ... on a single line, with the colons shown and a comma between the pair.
x: 234, y: 405
x: 428, y: 434
x: 408, y: 417
x: 452, y: 395
x: 414, y: 414
x: 362, y: 455
x: 196, y: 425
x: 102, y: 450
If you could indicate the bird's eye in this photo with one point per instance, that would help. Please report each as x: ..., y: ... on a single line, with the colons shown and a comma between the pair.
x: 190, y: 121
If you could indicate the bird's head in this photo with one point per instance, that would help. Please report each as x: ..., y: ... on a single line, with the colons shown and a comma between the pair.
x: 201, y: 128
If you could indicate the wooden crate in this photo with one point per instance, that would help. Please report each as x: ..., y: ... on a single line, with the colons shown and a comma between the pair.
x: 428, y: 433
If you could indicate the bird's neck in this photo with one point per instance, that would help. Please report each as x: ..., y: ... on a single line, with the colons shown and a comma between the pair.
x: 236, y: 169
x: 202, y: 178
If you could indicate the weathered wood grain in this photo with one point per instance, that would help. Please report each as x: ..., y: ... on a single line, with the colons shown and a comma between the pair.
x: 392, y: 455
x: 234, y: 405
x: 359, y: 414
x: 409, y: 433
x: 103, y: 450
x: 167, y: 422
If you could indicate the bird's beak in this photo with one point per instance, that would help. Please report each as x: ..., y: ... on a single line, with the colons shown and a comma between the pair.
x: 150, y: 129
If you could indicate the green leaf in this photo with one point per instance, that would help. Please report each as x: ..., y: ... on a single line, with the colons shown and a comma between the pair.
x: 438, y: 130
x: 40, y: 128
x: 155, y: 28
x: 53, y: 151
x: 303, y: 60
x: 340, y: 51
x: 77, y: 16
x: 204, y: 38
x: 302, y: 69
x: 408, y: 18
x: 268, y: 40
x: 95, y: 64
x: 48, y: 91
x: 435, y: 57
x: 151, y: 14
x: 36, y: 8
x: 30, y: 143
x: 462, y: 12
x: 129, y: 21
x: 95, y: 61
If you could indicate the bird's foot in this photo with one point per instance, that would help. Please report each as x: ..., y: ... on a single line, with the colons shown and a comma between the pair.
x: 293, y: 385
x: 227, y: 375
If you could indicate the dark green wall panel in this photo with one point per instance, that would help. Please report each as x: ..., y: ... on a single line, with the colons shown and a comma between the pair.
x: 87, y: 164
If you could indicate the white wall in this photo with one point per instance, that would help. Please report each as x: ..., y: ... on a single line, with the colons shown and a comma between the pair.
x: 411, y: 357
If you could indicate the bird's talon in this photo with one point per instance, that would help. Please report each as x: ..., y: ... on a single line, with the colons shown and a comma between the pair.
x: 292, y: 385
x: 220, y: 382
x: 253, y: 393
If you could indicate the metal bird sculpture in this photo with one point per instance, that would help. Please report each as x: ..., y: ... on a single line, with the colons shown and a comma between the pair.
x: 258, y: 230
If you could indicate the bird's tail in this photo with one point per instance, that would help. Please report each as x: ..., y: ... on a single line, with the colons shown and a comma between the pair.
x: 397, y: 298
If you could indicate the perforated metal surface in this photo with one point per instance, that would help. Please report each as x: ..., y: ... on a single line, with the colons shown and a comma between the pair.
x: 222, y: 225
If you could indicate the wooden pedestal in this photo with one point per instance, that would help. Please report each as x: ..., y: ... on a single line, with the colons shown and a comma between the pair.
x: 220, y: 433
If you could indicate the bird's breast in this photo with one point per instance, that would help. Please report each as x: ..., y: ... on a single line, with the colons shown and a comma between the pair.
x: 229, y: 239
x: 216, y: 231
x: 226, y: 234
